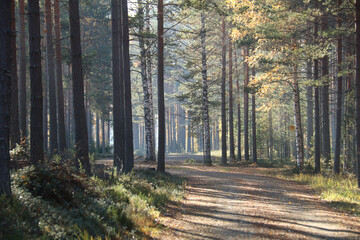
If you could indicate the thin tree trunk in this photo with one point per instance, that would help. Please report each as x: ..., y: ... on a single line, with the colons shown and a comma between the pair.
x: 325, y: 96
x: 223, y: 96
x: 51, y: 78
x: 14, y: 104
x: 310, y: 110
x: 271, y: 137
x: 22, y: 73
x: 102, y: 135
x: 161, y: 101
x: 298, y: 127
x: 205, y: 100
x: 150, y: 150
x: 98, y: 132
x: 246, y: 104
x: 253, y: 101
x: 238, y: 108
x: 357, y: 92
x: 36, y: 115
x: 81, y: 138
x: 339, y: 97
x: 59, y: 79
x: 129, y: 144
x: 5, y: 94
x: 231, y: 105
x: 317, y: 103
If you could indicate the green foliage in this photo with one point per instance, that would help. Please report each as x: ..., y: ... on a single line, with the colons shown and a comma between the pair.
x: 53, y: 202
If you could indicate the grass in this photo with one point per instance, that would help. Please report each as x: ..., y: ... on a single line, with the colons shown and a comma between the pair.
x: 340, y: 191
x: 50, y: 201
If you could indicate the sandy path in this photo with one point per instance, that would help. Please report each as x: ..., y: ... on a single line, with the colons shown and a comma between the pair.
x: 243, y: 204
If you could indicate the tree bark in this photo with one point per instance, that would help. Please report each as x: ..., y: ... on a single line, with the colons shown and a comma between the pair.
x: 205, y: 100
x: 22, y: 73
x: 253, y: 101
x: 161, y: 101
x: 231, y: 105
x: 310, y: 110
x: 5, y: 94
x: 150, y: 150
x: 59, y: 79
x: 51, y: 77
x: 325, y: 96
x: 339, y: 97
x: 238, y: 109
x: 36, y: 115
x: 271, y: 137
x: 298, y: 126
x: 81, y: 138
x: 246, y: 104
x: 223, y: 96
x: 357, y: 91
x: 129, y: 144
x: 14, y: 104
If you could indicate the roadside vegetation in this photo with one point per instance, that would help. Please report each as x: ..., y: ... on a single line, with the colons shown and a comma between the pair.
x: 52, y: 201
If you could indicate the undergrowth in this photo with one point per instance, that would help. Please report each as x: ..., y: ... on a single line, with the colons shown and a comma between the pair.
x: 339, y: 190
x: 50, y: 201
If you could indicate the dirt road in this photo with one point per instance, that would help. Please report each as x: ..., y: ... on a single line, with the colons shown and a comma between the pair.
x: 240, y: 203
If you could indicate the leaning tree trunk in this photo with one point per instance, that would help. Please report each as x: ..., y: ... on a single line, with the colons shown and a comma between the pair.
x: 59, y: 80
x: 81, y: 138
x: 5, y: 97
x: 205, y: 100
x: 36, y: 115
x: 339, y: 98
x: 357, y: 92
x: 231, y: 104
x: 246, y: 104
x: 51, y: 78
x: 129, y: 144
x: 223, y: 96
x: 298, y: 127
x: 22, y: 73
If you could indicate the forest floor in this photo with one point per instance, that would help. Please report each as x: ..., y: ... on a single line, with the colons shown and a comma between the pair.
x: 242, y: 203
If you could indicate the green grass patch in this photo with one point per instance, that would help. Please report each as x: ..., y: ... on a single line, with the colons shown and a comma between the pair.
x: 339, y: 190
x: 50, y: 201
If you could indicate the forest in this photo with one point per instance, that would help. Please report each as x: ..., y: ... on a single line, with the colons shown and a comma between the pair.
x: 144, y: 119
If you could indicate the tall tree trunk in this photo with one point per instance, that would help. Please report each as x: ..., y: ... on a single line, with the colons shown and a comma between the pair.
x: 5, y: 94
x: 231, y: 105
x: 36, y: 115
x: 103, y: 135
x: 14, y: 104
x: 223, y: 96
x: 357, y: 92
x: 59, y: 79
x: 98, y: 132
x: 339, y: 96
x: 246, y: 104
x: 205, y: 100
x: 253, y: 114
x: 310, y: 110
x: 81, y: 138
x: 161, y: 101
x: 51, y: 78
x: 298, y: 127
x: 150, y: 150
x: 117, y: 94
x: 129, y: 144
x: 317, y: 102
x: 238, y: 108
x: 325, y: 96
x: 22, y: 73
